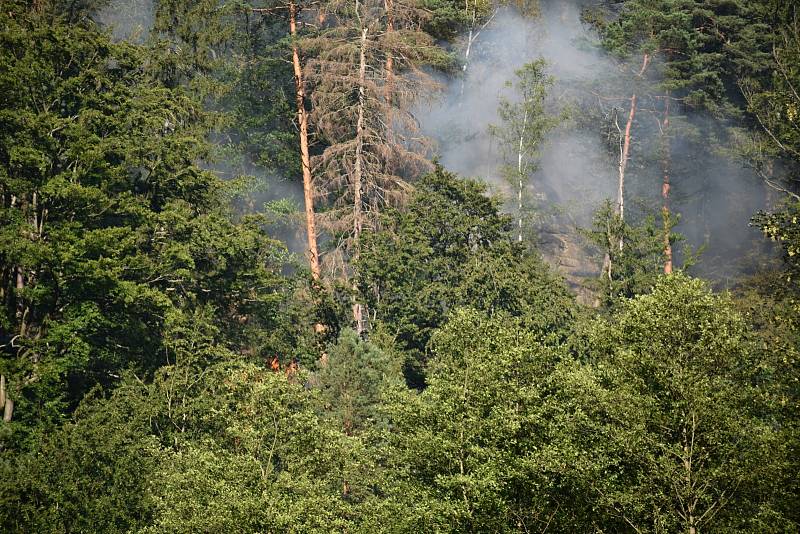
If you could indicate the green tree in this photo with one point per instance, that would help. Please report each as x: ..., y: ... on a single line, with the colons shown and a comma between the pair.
x: 634, y: 269
x: 768, y: 302
x: 451, y: 247
x: 108, y: 224
x: 481, y: 448
x: 211, y: 442
x: 525, y: 125
x: 352, y: 379
x: 776, y: 105
x: 697, y: 45
x: 670, y: 415
x: 90, y: 475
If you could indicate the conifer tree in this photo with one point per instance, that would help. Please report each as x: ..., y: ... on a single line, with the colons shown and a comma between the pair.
x: 372, y: 147
x: 109, y: 224
x: 289, y: 13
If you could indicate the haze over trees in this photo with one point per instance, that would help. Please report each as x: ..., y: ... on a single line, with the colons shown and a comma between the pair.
x: 242, y: 288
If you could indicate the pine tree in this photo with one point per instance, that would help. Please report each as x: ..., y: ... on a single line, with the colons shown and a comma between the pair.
x: 371, y: 144
x: 289, y: 13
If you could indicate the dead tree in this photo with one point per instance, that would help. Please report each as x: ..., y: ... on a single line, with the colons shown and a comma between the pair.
x: 292, y: 9
x: 666, y: 186
x: 624, y: 141
x: 365, y: 78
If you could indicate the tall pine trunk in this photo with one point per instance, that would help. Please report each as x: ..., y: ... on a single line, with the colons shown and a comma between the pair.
x: 389, y: 66
x: 626, y: 149
x: 624, y: 157
x: 305, y: 159
x: 470, y: 38
x: 389, y: 6
x: 6, y: 404
x: 358, y: 309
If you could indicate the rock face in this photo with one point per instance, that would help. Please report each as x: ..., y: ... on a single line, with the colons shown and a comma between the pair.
x: 566, y: 252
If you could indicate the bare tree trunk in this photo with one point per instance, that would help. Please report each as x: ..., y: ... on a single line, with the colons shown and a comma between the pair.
x: 389, y: 6
x: 521, y: 175
x: 358, y: 311
x: 624, y: 156
x: 623, y: 163
x: 8, y: 411
x: 389, y: 87
x: 665, y: 189
x: 6, y: 404
x: 471, y: 38
x: 689, y: 498
x: 359, y: 146
x: 305, y: 159
x: 626, y: 149
x: 22, y: 309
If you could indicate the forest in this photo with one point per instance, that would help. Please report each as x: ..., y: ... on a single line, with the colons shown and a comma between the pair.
x: 417, y: 266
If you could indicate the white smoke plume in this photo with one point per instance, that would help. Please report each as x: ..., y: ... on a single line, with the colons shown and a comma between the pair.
x: 714, y: 196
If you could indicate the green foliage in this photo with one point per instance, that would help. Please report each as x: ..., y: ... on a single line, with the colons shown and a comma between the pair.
x: 525, y: 124
x: 352, y: 379
x: 633, y: 269
x: 91, y: 475
x: 777, y: 107
x: 450, y: 247
x: 699, y: 45
x: 141, y: 298
x: 449, y: 18
x: 203, y: 446
x: 261, y: 99
x: 783, y: 227
x: 472, y: 449
x: 189, y: 39
x: 261, y: 461
x: 670, y: 414
x: 775, y: 102
x: 110, y: 227
x: 770, y: 304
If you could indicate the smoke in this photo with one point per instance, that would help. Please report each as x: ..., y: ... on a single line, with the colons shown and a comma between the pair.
x: 279, y: 198
x: 576, y: 171
x: 714, y: 195
x: 128, y: 20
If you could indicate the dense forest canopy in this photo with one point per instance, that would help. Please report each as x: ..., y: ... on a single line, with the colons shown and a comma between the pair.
x: 399, y: 266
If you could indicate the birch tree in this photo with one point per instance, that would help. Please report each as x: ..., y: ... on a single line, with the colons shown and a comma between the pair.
x: 525, y: 124
x: 478, y: 14
x: 672, y: 391
x: 666, y: 186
